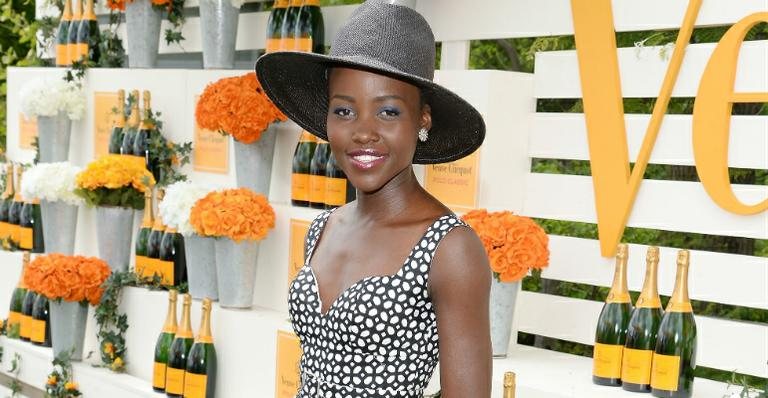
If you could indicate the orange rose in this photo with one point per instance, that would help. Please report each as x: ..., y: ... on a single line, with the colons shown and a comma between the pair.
x: 238, y: 214
x: 70, y: 278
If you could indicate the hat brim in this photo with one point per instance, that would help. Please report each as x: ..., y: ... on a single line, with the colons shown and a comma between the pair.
x: 297, y: 83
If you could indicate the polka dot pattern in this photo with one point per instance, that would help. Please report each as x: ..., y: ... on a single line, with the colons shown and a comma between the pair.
x: 379, y: 337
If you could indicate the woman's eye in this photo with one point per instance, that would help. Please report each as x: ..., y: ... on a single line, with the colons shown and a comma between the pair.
x: 389, y: 113
x: 342, y: 112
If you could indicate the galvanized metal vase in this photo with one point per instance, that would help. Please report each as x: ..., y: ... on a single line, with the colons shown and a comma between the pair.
x: 236, y: 272
x: 60, y: 221
x: 201, y: 266
x: 114, y: 226
x: 253, y: 162
x: 68, y: 320
x: 142, y: 25
x: 502, y: 313
x: 53, y: 134
x: 218, y: 28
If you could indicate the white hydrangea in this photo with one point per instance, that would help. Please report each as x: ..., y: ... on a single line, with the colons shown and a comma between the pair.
x: 177, y: 205
x: 49, y: 96
x: 54, y: 182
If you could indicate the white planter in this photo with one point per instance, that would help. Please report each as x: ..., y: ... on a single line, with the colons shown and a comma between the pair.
x: 236, y: 272
x: 142, y: 26
x: 60, y: 220
x: 218, y: 28
x: 53, y: 133
x: 502, y: 312
x: 253, y: 162
x: 114, y: 226
x: 201, y: 267
x: 68, y: 321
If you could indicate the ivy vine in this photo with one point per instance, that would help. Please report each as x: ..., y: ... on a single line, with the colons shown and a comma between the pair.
x: 60, y: 383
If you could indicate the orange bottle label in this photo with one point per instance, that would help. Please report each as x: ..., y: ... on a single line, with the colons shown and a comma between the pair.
x: 607, y: 360
x: 140, y: 265
x: 26, y: 240
x: 158, y: 375
x: 281, y: 4
x: 273, y: 45
x: 62, y: 55
x: 636, y: 366
x: 312, y: 3
x: 335, y: 191
x: 300, y: 187
x: 306, y: 136
x: 14, y: 318
x: 303, y: 44
x: 37, y: 331
x: 174, y: 381
x: 195, y: 385
x: 25, y: 326
x: 317, y: 189
x: 3, y: 229
x: 165, y: 270
x: 16, y: 233
x: 665, y: 372
x: 81, y: 49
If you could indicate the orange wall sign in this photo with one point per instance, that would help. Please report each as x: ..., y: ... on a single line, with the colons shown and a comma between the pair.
x: 615, y: 186
x: 210, y: 151
x: 104, y: 103
x: 298, y: 232
x: 27, y: 132
x: 288, y: 377
x: 455, y: 183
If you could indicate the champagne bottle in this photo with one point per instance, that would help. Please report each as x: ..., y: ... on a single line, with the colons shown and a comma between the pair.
x: 288, y: 27
x: 178, y: 354
x: 154, y: 240
x: 338, y: 190
x: 302, y: 157
x: 6, y: 202
x: 26, y: 315
x: 674, y: 359
x: 17, y: 299
x: 88, y: 35
x: 74, y: 27
x: 116, y: 136
x: 173, y: 260
x: 130, y: 131
x: 612, y: 324
x: 200, y: 378
x: 274, y: 25
x: 509, y: 385
x: 310, y: 28
x: 31, y: 226
x: 163, y: 345
x: 141, y: 141
x: 40, y: 325
x: 641, y: 333
x: 14, y: 214
x: 317, y: 175
x: 62, y: 36
x: 142, y: 238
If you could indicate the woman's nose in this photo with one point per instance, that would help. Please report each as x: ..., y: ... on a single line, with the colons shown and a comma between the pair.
x: 365, y: 132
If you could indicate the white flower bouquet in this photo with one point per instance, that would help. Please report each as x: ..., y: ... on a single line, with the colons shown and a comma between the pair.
x: 177, y: 205
x: 53, y: 182
x: 48, y: 97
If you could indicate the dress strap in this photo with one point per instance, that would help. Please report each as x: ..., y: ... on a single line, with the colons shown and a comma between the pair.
x: 420, y: 260
x: 315, y: 229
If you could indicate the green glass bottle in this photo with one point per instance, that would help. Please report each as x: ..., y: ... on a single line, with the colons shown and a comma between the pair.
x: 179, y: 352
x: 611, y: 334
x: 31, y: 225
x: 142, y: 238
x: 62, y: 36
x: 674, y: 359
x: 173, y: 257
x: 302, y: 157
x: 642, y: 330
x: 338, y: 190
x: 274, y: 25
x: 88, y: 35
x: 317, y: 175
x: 40, y: 325
x: 141, y: 140
x: 17, y: 301
x: 74, y: 28
x: 6, y: 202
x: 200, y: 378
x: 154, y: 240
x: 163, y: 345
x: 116, y: 135
x: 130, y: 131
x: 26, y: 315
x: 309, y: 32
x: 288, y: 27
x: 14, y: 212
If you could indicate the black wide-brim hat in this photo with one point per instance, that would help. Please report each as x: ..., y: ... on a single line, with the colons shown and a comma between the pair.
x: 384, y: 38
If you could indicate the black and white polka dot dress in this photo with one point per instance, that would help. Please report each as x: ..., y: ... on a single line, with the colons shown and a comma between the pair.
x: 379, y: 338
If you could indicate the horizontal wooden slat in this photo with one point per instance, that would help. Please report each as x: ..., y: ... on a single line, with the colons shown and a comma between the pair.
x: 715, y: 277
x: 667, y: 205
x: 722, y: 344
x: 564, y: 136
x: 642, y: 71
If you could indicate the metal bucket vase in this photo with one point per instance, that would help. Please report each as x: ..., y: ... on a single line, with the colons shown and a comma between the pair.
x: 236, y: 272
x: 53, y: 134
x: 68, y: 320
x: 114, y: 226
x: 201, y: 267
x: 253, y: 162
x: 142, y: 22
x: 218, y: 28
x: 502, y: 313
x: 60, y: 220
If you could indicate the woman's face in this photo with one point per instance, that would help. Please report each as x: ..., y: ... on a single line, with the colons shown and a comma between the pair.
x: 373, y: 124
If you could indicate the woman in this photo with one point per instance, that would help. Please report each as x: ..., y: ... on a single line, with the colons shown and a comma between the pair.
x: 373, y: 320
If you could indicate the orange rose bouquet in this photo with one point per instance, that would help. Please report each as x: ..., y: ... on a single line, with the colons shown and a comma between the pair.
x: 515, y: 244
x: 237, y: 106
x: 68, y: 278
x: 238, y: 214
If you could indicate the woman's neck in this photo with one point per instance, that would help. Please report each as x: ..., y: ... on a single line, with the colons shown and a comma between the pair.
x: 395, y: 197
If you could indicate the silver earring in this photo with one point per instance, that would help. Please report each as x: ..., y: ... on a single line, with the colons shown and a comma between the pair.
x: 423, y: 134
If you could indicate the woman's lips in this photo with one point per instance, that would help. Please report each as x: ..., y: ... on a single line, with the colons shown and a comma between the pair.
x: 366, y: 159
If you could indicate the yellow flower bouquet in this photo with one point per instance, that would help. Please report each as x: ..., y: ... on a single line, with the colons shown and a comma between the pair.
x: 114, y: 180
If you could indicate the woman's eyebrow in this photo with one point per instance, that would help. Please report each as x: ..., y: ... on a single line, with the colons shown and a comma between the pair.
x: 343, y: 97
x: 383, y: 98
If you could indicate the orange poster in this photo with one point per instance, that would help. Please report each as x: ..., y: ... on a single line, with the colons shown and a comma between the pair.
x: 27, y: 132
x: 288, y: 378
x: 455, y: 183
x: 210, y: 151
x: 104, y: 103
x: 298, y: 232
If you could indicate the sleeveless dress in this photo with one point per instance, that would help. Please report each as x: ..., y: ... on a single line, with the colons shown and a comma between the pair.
x: 379, y: 338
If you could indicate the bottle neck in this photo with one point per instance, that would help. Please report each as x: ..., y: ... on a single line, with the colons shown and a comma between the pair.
x: 509, y: 385
x: 67, y: 14
x: 8, y: 183
x: 17, y: 193
x: 77, y: 10
x: 89, y: 13
x: 170, y: 325
x: 185, y: 332
x: 148, y: 218
x: 680, y: 302
x: 133, y: 119
x: 649, y: 297
x: 281, y: 4
x: 22, y: 284
x: 204, y: 335
x: 296, y: 3
x: 619, y: 292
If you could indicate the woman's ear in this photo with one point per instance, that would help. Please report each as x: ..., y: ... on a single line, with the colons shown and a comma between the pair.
x: 426, y: 117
